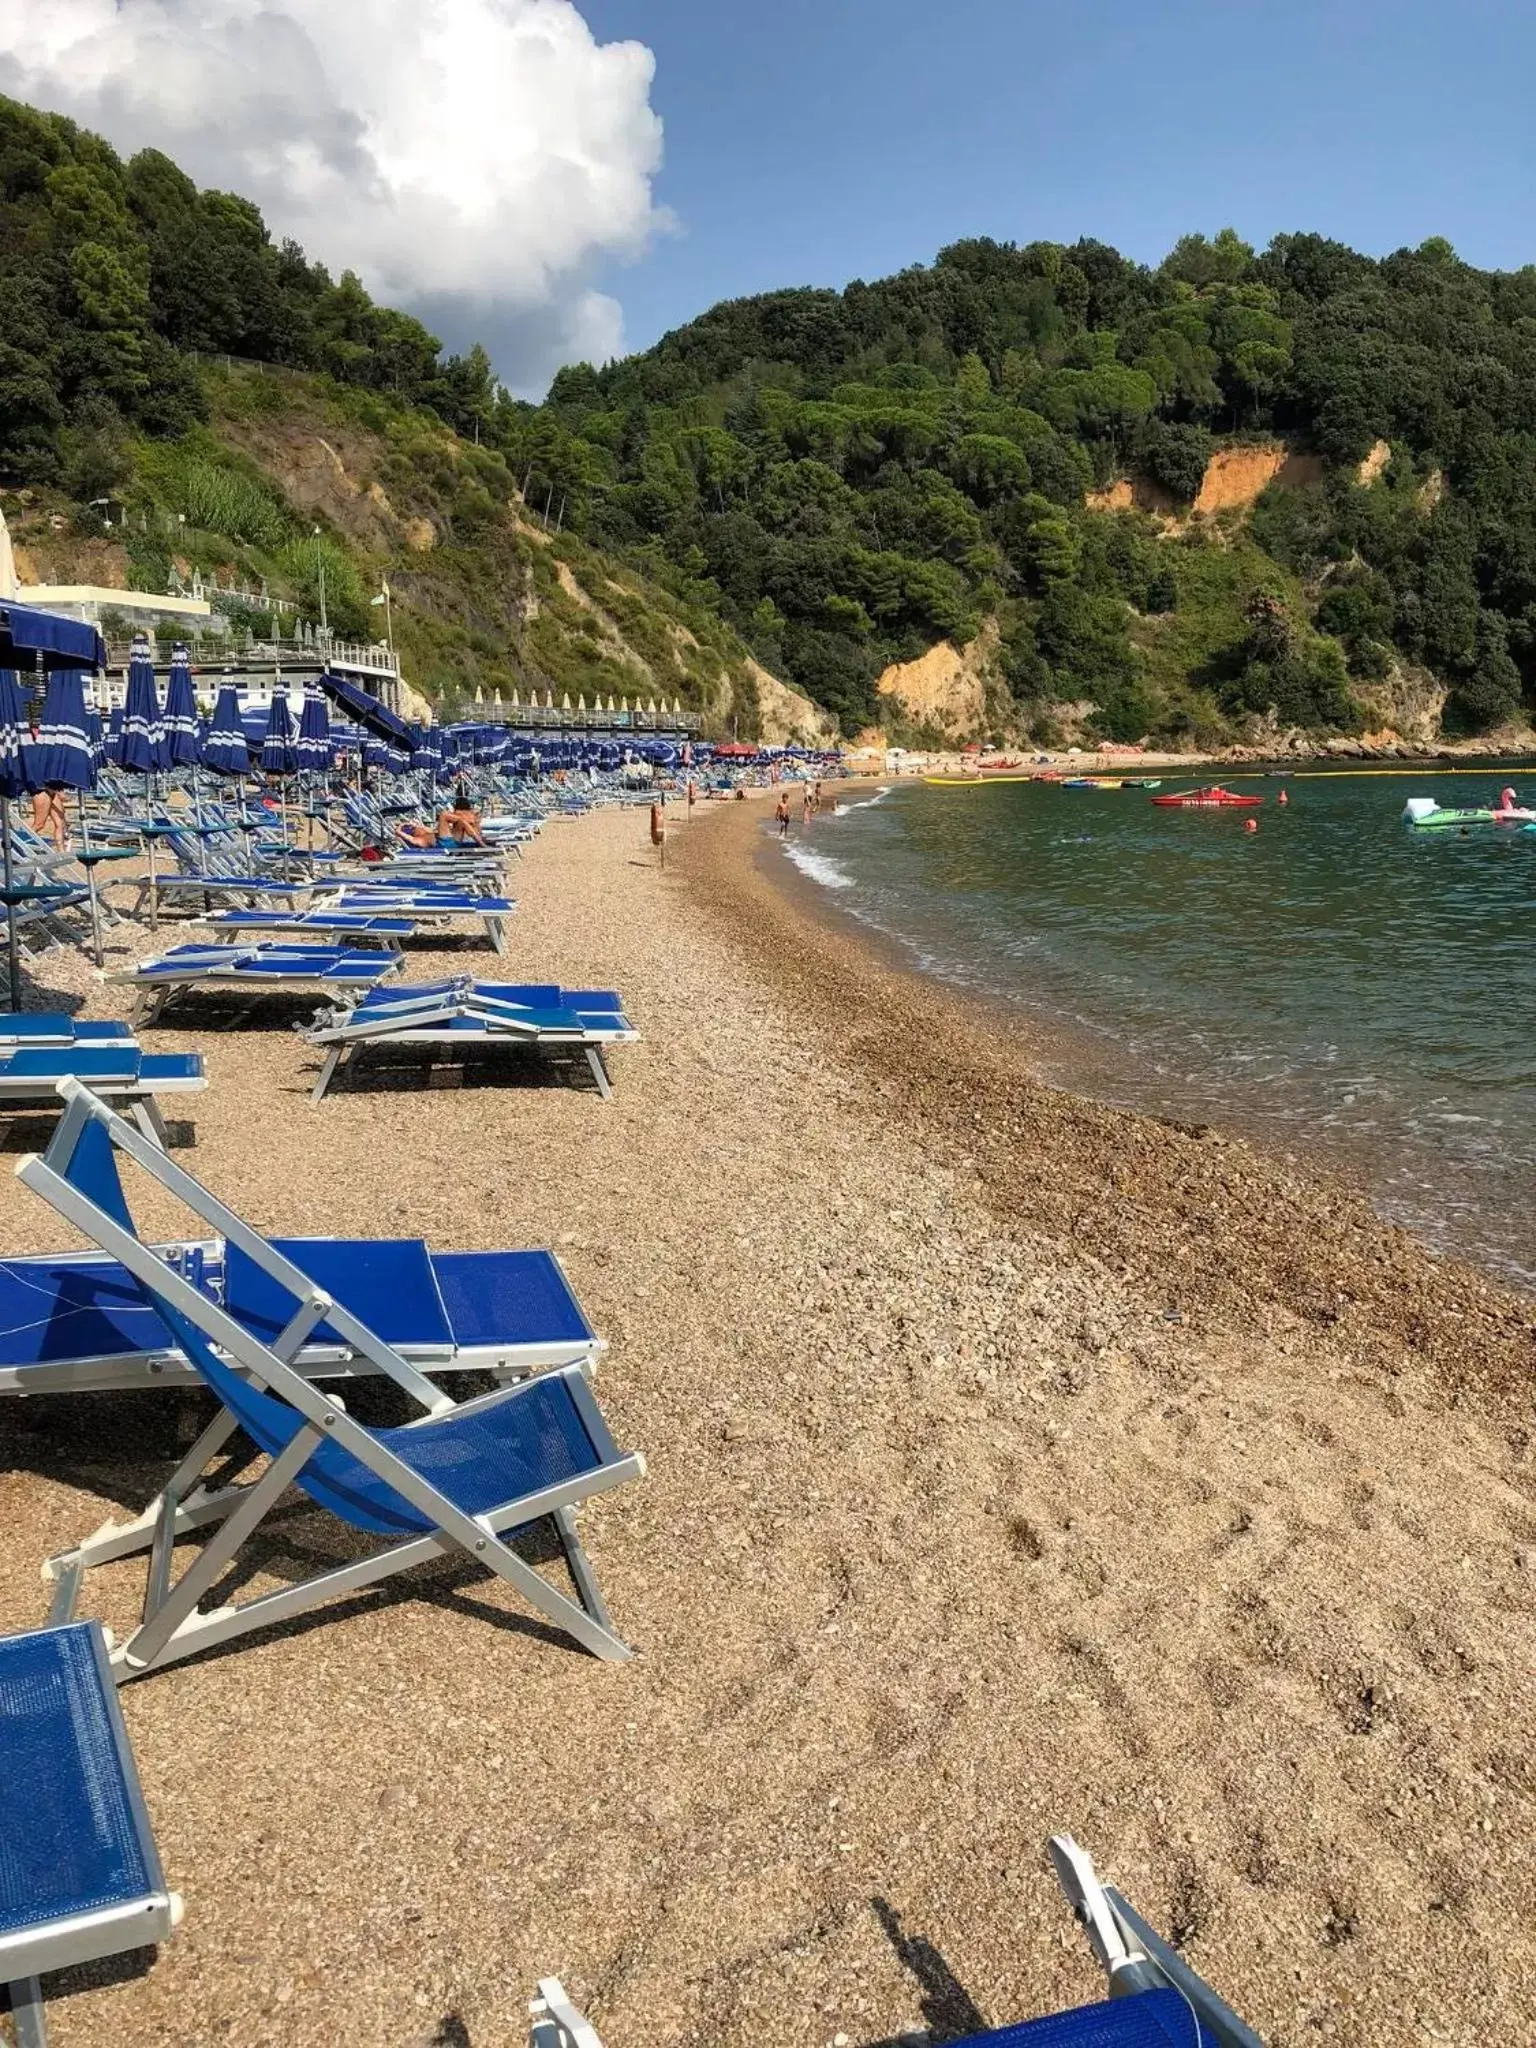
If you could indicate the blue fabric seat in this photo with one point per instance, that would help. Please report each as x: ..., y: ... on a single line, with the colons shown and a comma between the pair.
x: 1150, y: 2019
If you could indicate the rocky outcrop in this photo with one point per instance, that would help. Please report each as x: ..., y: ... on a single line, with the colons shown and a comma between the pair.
x: 946, y: 688
x: 1374, y: 463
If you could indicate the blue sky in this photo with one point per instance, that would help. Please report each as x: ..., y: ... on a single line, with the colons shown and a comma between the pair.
x: 813, y: 141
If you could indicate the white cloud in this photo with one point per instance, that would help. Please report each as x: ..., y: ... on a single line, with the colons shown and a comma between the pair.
x: 480, y: 157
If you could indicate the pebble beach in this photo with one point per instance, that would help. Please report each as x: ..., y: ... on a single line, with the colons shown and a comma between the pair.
x: 1014, y: 1466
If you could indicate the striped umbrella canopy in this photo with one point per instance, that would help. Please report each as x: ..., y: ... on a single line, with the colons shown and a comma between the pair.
x: 144, y: 745
x: 181, y: 711
x: 384, y: 756
x: 15, y: 739
x: 97, y: 738
x: 63, y: 753
x: 313, y: 747
x: 226, y: 750
x: 114, y: 738
x: 278, y: 755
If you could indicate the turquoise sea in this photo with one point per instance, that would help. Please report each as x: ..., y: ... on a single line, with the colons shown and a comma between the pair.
x: 1333, y: 984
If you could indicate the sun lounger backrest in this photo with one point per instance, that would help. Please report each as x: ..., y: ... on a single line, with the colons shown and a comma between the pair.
x: 92, y: 1171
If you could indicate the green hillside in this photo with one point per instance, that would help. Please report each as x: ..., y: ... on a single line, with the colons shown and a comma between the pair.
x: 830, y: 482
x: 243, y: 417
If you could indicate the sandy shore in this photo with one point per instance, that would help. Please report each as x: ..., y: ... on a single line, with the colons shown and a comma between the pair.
x: 1013, y: 1466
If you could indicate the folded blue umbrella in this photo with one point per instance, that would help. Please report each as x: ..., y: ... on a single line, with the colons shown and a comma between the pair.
x: 145, y: 751
x: 278, y: 756
x: 181, y: 712
x: 313, y: 747
x: 226, y: 750
x: 62, y: 753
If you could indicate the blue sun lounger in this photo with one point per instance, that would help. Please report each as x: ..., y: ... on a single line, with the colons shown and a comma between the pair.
x: 243, y: 888
x: 253, y: 971
x: 1155, y: 2000
x: 458, y: 1481
x: 55, y: 1027
x: 357, y: 927
x: 30, y: 1077
x: 458, y: 1019
x: 512, y: 995
x: 80, y: 1879
x: 433, y: 906
x: 75, y: 1322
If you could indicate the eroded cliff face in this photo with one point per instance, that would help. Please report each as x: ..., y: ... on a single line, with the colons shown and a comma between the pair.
x: 1234, y: 478
x: 946, y: 688
x: 786, y: 718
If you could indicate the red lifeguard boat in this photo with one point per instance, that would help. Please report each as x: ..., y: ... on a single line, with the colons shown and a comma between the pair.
x: 1214, y: 798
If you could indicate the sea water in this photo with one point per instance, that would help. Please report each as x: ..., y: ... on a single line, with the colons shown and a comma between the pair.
x: 1337, y: 985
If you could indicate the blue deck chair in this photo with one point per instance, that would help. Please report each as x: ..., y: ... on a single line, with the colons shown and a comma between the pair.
x: 79, y: 1875
x: 253, y: 971
x: 461, y: 1479
x: 1155, y: 1999
x: 117, y: 1070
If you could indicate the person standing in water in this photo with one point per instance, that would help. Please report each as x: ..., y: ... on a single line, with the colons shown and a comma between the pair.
x: 781, y: 813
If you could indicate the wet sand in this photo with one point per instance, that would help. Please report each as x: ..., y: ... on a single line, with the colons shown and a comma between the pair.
x: 1015, y: 1465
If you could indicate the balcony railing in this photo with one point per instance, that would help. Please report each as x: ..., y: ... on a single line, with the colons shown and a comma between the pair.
x: 549, y: 718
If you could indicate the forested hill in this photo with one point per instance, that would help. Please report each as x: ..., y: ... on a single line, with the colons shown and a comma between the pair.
x: 1002, y: 450
x: 857, y: 473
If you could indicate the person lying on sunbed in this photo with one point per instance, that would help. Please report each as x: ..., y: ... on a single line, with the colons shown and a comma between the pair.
x: 414, y: 833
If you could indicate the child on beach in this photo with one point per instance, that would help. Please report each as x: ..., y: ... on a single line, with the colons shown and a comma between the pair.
x: 781, y: 812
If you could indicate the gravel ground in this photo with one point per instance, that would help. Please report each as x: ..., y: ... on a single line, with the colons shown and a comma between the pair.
x: 1013, y: 1467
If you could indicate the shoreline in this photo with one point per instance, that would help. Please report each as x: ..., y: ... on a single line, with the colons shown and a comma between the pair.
x: 1241, y: 1230
x: 950, y: 1538
x: 1086, y: 1058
